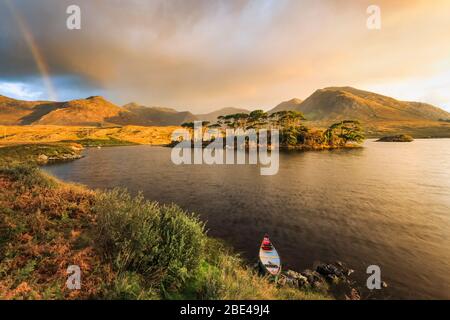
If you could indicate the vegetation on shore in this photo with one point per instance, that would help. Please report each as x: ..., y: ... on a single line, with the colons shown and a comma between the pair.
x: 126, y: 247
x: 39, y: 153
x: 399, y: 138
x: 293, y: 132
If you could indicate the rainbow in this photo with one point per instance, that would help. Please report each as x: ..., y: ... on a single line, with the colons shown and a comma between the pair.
x: 37, y: 56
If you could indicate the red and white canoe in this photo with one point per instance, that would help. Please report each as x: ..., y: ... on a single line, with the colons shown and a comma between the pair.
x: 269, y: 258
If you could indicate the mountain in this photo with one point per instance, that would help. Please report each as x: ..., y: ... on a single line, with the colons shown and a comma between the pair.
x: 157, y: 116
x: 212, y: 116
x: 338, y: 103
x: 287, y: 105
x: 18, y: 112
x: 92, y: 111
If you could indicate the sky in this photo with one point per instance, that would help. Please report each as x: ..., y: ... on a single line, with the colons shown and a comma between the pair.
x: 201, y: 55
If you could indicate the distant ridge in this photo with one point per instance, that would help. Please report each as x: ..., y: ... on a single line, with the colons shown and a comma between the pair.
x: 212, y: 116
x: 289, y: 105
x: 157, y: 116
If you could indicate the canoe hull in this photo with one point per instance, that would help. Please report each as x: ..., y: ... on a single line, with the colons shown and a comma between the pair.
x: 270, y: 261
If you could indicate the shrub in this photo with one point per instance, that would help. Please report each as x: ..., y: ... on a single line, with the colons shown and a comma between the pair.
x: 129, y: 286
x: 162, y: 243
x: 28, y: 175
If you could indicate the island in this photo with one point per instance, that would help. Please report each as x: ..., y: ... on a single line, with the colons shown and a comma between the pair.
x: 293, y: 133
x: 397, y: 138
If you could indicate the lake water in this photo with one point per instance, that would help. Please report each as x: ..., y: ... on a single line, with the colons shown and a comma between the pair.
x: 387, y: 204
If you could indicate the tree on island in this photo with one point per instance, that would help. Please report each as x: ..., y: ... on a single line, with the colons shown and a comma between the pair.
x: 293, y: 132
x: 339, y: 134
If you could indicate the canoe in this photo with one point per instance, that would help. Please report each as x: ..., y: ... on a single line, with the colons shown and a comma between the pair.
x: 269, y: 258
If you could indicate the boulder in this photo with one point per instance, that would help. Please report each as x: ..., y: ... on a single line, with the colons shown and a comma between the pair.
x: 296, y: 279
x: 313, y: 277
x: 42, y: 158
x: 353, y: 295
x: 330, y: 271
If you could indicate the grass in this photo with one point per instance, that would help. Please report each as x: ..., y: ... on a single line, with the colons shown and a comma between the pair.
x: 33, y: 153
x: 87, y: 136
x: 127, y: 247
x: 111, y: 142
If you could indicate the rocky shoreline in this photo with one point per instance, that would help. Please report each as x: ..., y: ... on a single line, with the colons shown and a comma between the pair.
x: 73, y: 152
x: 327, y: 278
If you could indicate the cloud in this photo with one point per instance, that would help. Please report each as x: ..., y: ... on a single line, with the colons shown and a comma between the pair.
x: 203, y: 54
x: 18, y: 90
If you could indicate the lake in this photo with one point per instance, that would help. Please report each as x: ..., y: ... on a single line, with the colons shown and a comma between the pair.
x: 387, y: 204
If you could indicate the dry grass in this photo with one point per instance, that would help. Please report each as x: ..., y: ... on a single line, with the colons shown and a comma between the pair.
x: 44, y: 229
x: 45, y: 134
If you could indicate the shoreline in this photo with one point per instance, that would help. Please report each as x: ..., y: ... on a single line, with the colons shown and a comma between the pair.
x: 315, y: 282
x: 17, y: 177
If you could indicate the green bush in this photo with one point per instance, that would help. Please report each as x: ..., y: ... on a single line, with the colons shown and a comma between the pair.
x: 129, y: 286
x: 162, y: 243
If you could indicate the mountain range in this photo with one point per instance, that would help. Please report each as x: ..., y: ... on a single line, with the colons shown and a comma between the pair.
x: 96, y: 111
x: 323, y: 106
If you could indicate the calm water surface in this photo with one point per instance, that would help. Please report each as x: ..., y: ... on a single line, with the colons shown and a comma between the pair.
x: 386, y: 204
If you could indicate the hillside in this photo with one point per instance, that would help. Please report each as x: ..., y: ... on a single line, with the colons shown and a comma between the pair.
x: 92, y: 111
x: 289, y: 105
x: 157, y: 116
x: 212, y: 116
x: 337, y: 103
x: 380, y: 115
x: 18, y: 112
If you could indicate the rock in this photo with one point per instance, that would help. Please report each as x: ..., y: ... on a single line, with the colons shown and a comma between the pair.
x: 311, y: 276
x: 314, y: 279
x: 333, y: 278
x: 291, y: 282
x: 282, y: 281
x: 398, y: 138
x: 329, y: 270
x: 320, y: 285
x: 302, y: 282
x: 296, y: 279
x: 292, y: 274
x: 384, y: 284
x: 353, y: 295
x: 65, y: 156
x: 42, y: 158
